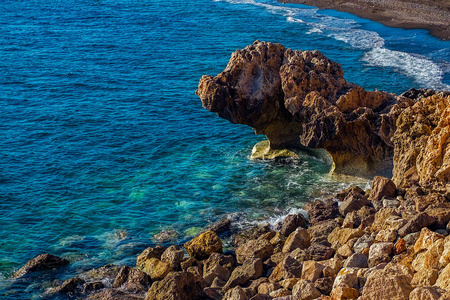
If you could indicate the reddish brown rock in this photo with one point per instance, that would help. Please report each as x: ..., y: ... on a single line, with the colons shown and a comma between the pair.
x: 399, y: 246
x: 40, y: 263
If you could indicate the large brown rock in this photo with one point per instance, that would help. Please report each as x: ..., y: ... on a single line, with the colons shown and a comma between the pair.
x: 300, y: 98
x: 422, y: 147
x: 254, y: 249
x: 40, y: 263
x: 319, y: 210
x: 217, y: 266
x: 175, y: 286
x: 416, y: 223
x: 393, y: 282
x: 382, y: 187
x: 300, y: 238
x: 287, y: 268
x: 204, y: 245
x: 251, y: 269
x: 353, y: 202
x: 292, y: 222
x: 150, y: 252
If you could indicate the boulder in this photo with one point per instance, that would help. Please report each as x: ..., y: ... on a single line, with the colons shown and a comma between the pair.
x: 416, y: 223
x: 156, y: 269
x: 176, y: 285
x: 342, y: 235
x: 357, y: 260
x: 320, y: 252
x: 380, y: 253
x: 425, y: 277
x: 353, y: 201
x: 251, y: 269
x: 382, y: 187
x: 173, y: 255
x: 69, y: 286
x: 393, y: 282
x: 132, y: 280
x: 319, y: 210
x: 305, y: 290
x: 319, y: 231
x: 425, y: 293
x: 268, y: 287
x: 292, y: 222
x: 287, y: 268
x: 254, y: 249
x: 311, y: 270
x: 300, y: 238
x: 386, y: 235
x: 40, y: 263
x: 204, y: 245
x: 443, y: 280
x: 363, y: 242
x: 218, y: 266
x: 150, y: 252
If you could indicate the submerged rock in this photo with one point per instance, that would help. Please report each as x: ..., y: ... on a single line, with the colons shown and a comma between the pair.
x: 301, y: 99
x: 39, y: 263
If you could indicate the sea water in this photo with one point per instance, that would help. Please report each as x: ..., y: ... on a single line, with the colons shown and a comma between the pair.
x: 105, y: 145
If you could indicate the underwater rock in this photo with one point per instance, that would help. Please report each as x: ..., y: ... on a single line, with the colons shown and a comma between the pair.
x: 301, y: 99
x: 39, y: 263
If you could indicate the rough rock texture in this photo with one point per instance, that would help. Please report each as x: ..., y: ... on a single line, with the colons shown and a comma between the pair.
x: 41, y: 262
x: 254, y: 249
x: 422, y: 144
x: 176, y: 285
x: 204, y: 245
x: 300, y: 98
x: 132, y: 280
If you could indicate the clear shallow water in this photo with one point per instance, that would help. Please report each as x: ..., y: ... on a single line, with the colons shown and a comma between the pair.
x: 104, y: 143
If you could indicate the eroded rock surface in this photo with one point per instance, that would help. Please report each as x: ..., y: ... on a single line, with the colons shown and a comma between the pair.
x: 301, y: 99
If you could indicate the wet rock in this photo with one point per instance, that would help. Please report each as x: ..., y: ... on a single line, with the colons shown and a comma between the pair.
x: 251, y: 269
x: 204, y: 245
x: 69, y: 286
x: 40, y: 263
x: 382, y: 187
x: 106, y: 272
x: 156, y: 269
x: 150, y: 252
x: 252, y: 233
x: 305, y: 290
x: 393, y: 282
x: 416, y: 223
x: 90, y: 287
x: 291, y: 223
x: 357, y: 260
x: 176, y: 285
x: 300, y: 238
x: 287, y: 268
x: 353, y: 202
x: 321, y: 210
x: 173, y: 255
x: 221, y: 226
x: 254, y: 249
x: 132, y: 280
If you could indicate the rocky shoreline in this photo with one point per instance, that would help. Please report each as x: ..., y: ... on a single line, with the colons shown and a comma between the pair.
x: 388, y: 242
x: 412, y: 14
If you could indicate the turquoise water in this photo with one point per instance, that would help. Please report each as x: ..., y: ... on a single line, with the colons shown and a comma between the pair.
x: 104, y: 143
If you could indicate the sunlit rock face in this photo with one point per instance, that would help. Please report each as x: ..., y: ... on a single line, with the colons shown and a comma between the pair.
x: 301, y: 99
x: 422, y: 143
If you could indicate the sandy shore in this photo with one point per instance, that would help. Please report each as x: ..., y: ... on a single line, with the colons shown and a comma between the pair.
x: 418, y: 14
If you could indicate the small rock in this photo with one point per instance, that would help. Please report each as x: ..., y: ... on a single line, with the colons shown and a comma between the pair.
x: 217, y: 266
x: 204, y: 245
x: 112, y: 294
x: 362, y: 243
x: 319, y: 232
x: 399, y: 246
x: 39, y: 263
x: 386, y: 236
x: 281, y: 292
x: 268, y: 287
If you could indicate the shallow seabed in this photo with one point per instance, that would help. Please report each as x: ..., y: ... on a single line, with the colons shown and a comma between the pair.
x: 104, y: 143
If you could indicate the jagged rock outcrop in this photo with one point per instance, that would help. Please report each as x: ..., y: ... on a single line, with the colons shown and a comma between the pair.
x: 300, y: 99
x: 422, y: 142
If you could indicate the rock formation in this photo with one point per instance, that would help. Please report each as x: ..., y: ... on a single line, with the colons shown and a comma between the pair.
x: 300, y: 99
x: 422, y: 142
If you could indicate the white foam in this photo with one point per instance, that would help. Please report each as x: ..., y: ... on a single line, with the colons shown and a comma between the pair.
x: 420, y: 68
x: 314, y: 30
x: 294, y: 20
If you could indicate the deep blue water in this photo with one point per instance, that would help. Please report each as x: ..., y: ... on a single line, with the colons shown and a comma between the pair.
x: 104, y: 144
